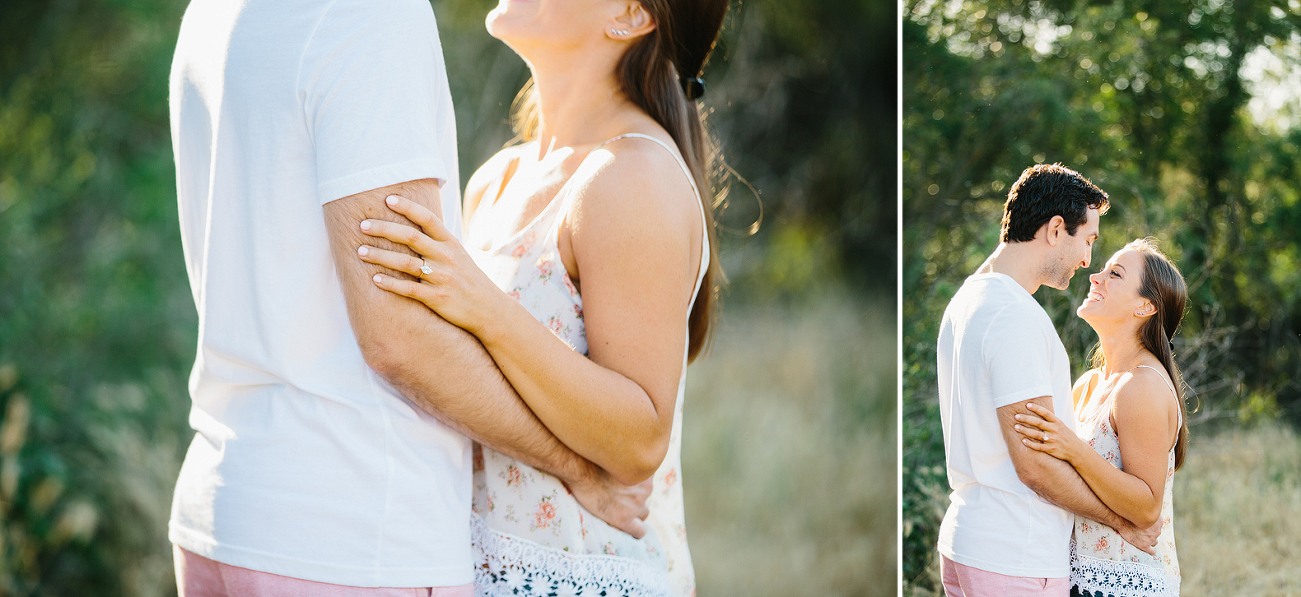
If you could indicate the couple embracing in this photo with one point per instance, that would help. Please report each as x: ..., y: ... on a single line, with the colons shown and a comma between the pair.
x: 1060, y: 489
x: 390, y: 398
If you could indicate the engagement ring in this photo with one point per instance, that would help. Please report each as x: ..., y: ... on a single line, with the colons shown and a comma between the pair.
x: 425, y: 269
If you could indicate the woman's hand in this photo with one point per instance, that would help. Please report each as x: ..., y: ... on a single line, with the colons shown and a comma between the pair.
x: 450, y: 282
x: 1046, y: 433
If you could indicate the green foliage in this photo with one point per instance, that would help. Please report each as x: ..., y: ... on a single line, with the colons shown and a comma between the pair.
x: 1148, y: 99
x: 802, y: 96
x: 96, y: 328
x: 97, y: 325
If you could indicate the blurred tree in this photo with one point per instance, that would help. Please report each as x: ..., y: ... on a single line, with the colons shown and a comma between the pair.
x: 96, y: 328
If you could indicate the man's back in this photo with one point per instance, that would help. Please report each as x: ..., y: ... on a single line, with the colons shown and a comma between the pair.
x: 305, y: 463
x: 997, y: 347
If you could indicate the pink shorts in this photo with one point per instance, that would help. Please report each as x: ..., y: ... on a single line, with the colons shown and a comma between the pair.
x: 197, y: 576
x: 961, y: 580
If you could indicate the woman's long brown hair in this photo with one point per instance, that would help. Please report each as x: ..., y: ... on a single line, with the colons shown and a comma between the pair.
x: 649, y: 76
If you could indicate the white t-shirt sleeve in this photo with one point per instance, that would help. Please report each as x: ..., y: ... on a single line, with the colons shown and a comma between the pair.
x: 371, y: 79
x: 1017, y: 356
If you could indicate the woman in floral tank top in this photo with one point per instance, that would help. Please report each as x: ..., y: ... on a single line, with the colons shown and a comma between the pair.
x: 588, y: 271
x: 1130, y: 432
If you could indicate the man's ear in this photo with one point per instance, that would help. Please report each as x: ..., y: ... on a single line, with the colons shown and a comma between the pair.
x: 631, y: 23
x: 1053, y: 230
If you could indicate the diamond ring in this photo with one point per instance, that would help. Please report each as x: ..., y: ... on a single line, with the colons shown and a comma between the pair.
x: 424, y: 267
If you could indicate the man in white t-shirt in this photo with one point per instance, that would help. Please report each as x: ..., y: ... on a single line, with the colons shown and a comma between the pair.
x: 1008, y: 527
x: 317, y: 465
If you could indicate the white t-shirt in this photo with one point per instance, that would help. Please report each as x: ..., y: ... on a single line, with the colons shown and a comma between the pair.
x: 305, y: 463
x: 997, y: 346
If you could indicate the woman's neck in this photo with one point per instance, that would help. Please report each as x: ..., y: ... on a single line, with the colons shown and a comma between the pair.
x: 1121, y: 353
x: 578, y: 104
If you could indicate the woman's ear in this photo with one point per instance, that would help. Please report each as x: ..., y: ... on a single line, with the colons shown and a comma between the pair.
x: 1147, y: 309
x: 631, y: 23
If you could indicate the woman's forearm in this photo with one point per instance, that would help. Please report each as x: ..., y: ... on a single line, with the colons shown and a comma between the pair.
x: 1127, y: 495
x: 599, y: 413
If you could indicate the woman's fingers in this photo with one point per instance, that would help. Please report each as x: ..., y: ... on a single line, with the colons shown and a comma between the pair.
x: 1046, y: 414
x: 1035, y: 445
x: 1032, y: 421
x: 400, y: 234
x: 1028, y: 431
x: 421, y: 215
x: 407, y: 288
x: 398, y: 262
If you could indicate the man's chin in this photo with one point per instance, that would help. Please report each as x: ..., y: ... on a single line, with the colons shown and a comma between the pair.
x: 1061, y: 283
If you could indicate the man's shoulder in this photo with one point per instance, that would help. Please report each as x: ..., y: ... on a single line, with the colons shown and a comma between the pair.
x: 987, y: 313
x: 989, y: 296
x: 382, y: 7
x: 400, y: 18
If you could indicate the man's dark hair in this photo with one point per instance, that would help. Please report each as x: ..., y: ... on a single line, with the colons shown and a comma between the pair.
x: 1044, y: 191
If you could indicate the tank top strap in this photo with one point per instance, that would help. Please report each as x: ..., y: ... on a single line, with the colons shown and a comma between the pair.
x: 1158, y: 371
x: 704, y: 236
x: 1168, y: 385
x: 704, y: 240
x: 685, y: 170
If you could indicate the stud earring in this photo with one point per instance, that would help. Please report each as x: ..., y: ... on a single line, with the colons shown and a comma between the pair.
x: 620, y: 32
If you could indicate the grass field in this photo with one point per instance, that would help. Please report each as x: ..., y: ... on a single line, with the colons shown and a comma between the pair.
x: 789, y: 465
x: 789, y: 453
x: 1236, y: 506
x: 1238, y: 514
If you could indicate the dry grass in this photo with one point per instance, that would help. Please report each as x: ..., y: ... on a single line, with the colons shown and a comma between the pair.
x: 1238, y: 514
x: 789, y: 458
x: 789, y: 453
x: 1237, y: 510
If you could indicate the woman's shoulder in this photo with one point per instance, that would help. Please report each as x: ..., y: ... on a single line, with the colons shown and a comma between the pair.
x: 630, y: 194
x: 1144, y: 389
x: 632, y: 173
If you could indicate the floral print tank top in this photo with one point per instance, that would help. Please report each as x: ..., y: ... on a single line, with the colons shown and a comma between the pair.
x: 529, y: 535
x: 1100, y: 559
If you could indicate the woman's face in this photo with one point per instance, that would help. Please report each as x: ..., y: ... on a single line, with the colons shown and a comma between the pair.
x: 526, y: 25
x: 1113, y: 291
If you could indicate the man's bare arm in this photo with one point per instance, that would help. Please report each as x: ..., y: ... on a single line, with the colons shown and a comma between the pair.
x: 1056, y: 481
x: 444, y: 369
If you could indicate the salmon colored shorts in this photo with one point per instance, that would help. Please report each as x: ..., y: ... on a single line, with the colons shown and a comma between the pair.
x: 197, y: 576
x: 964, y: 581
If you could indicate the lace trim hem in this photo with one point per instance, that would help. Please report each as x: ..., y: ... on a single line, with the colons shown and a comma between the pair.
x: 1119, y: 579
x: 510, y: 566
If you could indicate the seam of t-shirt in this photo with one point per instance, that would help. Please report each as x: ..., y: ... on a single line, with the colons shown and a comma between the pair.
x: 298, y: 74
x: 1019, y: 571
x: 378, y: 398
x: 984, y: 350
x: 201, y: 544
x: 382, y: 176
x: 1019, y: 395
